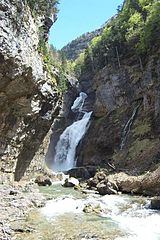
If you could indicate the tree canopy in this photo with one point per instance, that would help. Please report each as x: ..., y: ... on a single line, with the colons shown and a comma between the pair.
x: 136, y: 28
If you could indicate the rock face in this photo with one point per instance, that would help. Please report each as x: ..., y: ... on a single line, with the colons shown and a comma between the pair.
x: 28, y: 100
x: 82, y: 173
x: 77, y: 46
x: 126, y: 118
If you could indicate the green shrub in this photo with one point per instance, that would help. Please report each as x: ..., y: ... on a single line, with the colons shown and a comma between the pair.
x: 43, y: 7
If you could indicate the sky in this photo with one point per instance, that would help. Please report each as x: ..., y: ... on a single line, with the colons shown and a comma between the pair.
x: 77, y: 17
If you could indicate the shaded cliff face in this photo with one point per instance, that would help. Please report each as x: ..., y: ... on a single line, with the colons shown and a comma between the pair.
x: 126, y: 120
x: 28, y: 100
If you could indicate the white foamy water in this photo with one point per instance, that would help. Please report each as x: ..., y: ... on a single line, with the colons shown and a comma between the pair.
x: 79, y: 102
x: 61, y: 206
x: 64, y: 158
x: 137, y: 222
x: 140, y: 228
x: 66, y: 147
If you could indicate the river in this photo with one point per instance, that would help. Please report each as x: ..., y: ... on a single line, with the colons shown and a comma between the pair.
x: 110, y: 217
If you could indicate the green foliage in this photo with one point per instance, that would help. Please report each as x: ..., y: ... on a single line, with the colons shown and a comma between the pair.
x: 78, y: 64
x: 142, y: 129
x: 151, y: 29
x: 43, y: 7
x: 53, y: 62
x: 61, y: 82
x: 136, y: 24
x: 95, y: 41
x: 135, y: 29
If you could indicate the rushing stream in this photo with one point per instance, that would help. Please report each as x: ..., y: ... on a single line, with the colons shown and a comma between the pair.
x: 117, y: 217
x: 64, y: 158
x: 73, y: 215
x: 113, y: 217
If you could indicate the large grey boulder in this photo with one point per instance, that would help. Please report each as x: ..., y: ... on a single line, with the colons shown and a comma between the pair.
x: 71, y: 182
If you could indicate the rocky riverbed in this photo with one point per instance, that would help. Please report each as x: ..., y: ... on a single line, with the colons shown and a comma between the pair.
x: 30, y: 212
x: 16, y: 200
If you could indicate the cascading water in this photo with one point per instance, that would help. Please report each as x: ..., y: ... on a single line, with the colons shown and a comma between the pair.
x: 79, y: 102
x: 64, y: 158
x: 128, y: 125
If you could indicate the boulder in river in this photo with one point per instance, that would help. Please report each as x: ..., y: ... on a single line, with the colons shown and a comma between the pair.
x: 92, y: 208
x: 71, y: 182
x: 106, y: 187
x: 79, y: 172
x: 155, y: 203
x: 43, y: 181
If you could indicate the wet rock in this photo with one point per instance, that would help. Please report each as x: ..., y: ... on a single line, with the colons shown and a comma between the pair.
x: 38, y: 203
x: 21, y: 229
x: 92, y: 170
x: 106, y: 188
x: 92, y: 182
x: 155, y: 203
x: 43, y: 181
x: 92, y: 208
x: 88, y: 236
x: 79, y: 172
x: 100, y: 175
x: 71, y: 182
x: 13, y: 192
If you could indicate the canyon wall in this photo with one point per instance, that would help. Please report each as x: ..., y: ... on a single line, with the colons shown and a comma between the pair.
x: 125, y: 124
x: 29, y: 99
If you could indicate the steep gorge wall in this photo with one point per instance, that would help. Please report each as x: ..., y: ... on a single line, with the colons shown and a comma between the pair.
x: 73, y: 49
x: 118, y: 92
x: 28, y: 99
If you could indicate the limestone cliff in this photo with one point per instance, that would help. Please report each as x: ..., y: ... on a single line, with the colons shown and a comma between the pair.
x: 126, y: 119
x: 122, y: 70
x: 28, y: 99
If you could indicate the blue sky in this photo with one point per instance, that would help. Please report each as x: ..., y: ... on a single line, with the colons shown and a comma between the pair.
x: 76, y: 17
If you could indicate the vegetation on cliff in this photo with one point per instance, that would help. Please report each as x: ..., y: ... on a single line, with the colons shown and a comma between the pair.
x: 132, y: 31
x: 42, y: 7
x: 54, y: 64
x: 73, y: 49
x: 53, y: 60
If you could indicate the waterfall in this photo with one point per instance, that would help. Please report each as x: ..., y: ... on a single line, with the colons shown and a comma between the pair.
x: 79, y: 102
x: 64, y: 158
x: 127, y: 127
